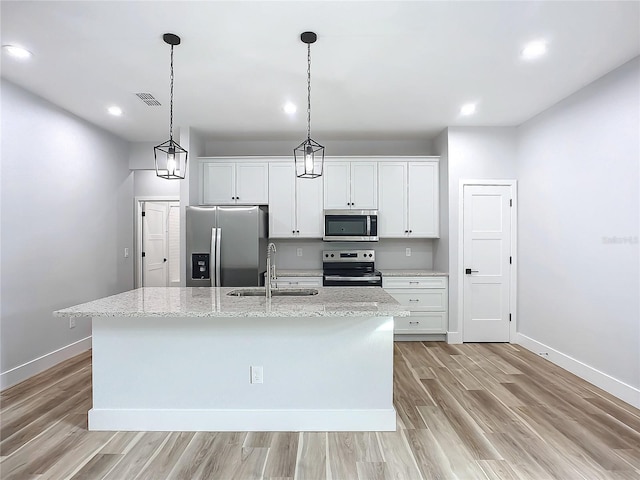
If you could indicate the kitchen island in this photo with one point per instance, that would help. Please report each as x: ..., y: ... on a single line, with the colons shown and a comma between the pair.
x: 197, y: 359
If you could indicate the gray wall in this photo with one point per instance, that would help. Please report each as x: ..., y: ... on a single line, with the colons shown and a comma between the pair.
x: 578, y: 225
x: 67, y: 215
x: 441, y: 251
x: 147, y: 183
x: 336, y: 147
x: 390, y: 253
x: 473, y: 153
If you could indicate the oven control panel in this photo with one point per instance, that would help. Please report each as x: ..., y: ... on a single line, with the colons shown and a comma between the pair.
x: 348, y: 256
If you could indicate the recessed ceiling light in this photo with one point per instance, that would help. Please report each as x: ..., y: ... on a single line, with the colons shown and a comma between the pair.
x: 289, y: 108
x: 115, y: 111
x: 534, y: 50
x: 468, y: 109
x: 17, y: 51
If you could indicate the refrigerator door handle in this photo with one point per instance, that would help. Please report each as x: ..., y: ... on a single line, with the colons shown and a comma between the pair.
x: 218, y: 247
x: 212, y: 253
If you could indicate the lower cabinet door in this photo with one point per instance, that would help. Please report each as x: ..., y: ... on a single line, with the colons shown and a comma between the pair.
x: 421, y: 322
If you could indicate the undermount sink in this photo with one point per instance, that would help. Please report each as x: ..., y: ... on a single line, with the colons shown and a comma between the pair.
x: 275, y: 292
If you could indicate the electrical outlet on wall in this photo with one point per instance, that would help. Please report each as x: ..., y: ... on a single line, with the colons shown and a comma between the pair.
x: 299, y: 252
x: 256, y: 375
x: 72, y: 322
x: 126, y: 253
x: 407, y: 252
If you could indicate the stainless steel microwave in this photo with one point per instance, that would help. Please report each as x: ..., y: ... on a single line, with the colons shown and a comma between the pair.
x: 350, y: 225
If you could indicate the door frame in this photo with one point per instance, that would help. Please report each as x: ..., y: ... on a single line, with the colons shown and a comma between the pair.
x: 513, y: 280
x: 139, y: 200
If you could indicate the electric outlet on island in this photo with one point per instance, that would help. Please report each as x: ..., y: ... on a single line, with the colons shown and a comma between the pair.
x: 299, y: 252
x: 407, y: 252
x: 256, y: 375
x: 72, y: 322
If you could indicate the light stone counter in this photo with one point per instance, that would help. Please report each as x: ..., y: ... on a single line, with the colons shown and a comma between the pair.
x: 214, y: 302
x: 412, y: 273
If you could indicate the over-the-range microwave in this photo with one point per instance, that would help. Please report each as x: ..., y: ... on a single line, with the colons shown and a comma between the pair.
x: 350, y: 225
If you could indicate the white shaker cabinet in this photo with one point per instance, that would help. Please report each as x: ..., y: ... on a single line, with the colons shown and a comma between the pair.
x: 234, y: 182
x: 350, y: 185
x: 426, y: 297
x: 295, y: 204
x: 408, y: 199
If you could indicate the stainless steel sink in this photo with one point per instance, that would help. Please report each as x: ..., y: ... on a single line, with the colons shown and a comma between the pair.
x: 275, y: 292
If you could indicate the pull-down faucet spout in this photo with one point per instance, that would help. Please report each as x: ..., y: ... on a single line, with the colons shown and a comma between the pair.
x: 270, y: 274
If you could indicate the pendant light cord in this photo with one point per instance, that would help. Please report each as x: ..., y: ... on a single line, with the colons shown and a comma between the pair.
x: 308, y: 91
x: 171, y: 100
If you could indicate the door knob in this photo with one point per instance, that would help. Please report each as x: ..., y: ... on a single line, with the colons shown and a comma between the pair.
x: 164, y: 260
x: 468, y: 271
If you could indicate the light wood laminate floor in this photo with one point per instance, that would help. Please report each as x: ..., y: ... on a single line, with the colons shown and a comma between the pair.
x: 473, y: 411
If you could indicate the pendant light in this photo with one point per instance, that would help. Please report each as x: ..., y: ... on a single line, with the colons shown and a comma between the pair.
x: 309, y: 155
x: 170, y: 158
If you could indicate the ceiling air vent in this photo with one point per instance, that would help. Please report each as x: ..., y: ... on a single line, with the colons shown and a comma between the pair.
x: 148, y: 99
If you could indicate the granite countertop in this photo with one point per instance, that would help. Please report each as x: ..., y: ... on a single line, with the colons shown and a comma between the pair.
x: 282, y: 272
x: 412, y: 273
x: 214, y: 302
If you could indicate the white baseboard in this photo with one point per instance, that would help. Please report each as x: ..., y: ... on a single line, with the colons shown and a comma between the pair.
x: 230, y: 420
x: 416, y: 337
x: 615, y: 387
x: 33, y: 367
x: 454, y: 337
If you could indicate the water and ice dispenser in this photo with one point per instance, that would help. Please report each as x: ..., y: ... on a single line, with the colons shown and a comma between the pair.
x: 200, y: 266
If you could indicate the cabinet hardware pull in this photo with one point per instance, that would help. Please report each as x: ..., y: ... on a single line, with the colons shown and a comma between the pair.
x: 414, y: 323
x: 410, y: 282
x: 413, y: 300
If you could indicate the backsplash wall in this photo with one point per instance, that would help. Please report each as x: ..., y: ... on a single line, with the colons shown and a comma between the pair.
x: 390, y: 253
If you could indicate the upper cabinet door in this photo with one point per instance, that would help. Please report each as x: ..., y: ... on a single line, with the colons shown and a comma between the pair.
x: 364, y: 185
x: 309, y: 208
x: 392, y: 199
x: 336, y: 185
x: 282, y: 200
x: 423, y: 199
x: 252, y: 183
x: 218, y: 183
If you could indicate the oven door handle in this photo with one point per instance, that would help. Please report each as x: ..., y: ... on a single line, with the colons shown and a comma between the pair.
x: 353, y: 279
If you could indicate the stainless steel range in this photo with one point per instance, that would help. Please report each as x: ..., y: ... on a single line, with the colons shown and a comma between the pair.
x: 350, y: 268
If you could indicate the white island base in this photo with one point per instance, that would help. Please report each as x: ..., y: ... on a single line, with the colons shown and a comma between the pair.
x: 193, y: 373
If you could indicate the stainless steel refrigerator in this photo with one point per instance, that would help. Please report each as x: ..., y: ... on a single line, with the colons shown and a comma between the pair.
x: 226, y: 246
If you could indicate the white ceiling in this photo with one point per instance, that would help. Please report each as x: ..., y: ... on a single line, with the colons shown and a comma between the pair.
x: 383, y: 70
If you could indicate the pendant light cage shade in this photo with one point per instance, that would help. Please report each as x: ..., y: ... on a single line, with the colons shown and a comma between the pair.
x: 171, y: 160
x: 309, y: 155
x: 309, y: 159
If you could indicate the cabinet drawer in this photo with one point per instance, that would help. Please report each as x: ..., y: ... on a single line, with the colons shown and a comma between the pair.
x: 299, y: 282
x: 414, y: 282
x: 434, y: 299
x: 421, y: 323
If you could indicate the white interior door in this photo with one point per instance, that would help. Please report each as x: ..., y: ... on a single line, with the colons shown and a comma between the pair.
x: 154, y: 244
x: 486, y: 263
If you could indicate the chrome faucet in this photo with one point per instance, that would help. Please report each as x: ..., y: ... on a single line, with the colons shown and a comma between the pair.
x: 270, y: 274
